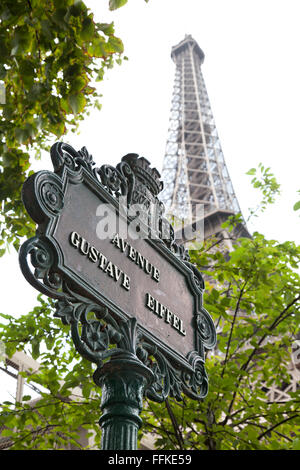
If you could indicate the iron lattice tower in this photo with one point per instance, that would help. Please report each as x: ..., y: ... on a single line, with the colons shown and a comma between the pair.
x: 194, y: 170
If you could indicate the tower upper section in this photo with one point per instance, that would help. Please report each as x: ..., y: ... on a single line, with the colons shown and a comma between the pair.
x: 194, y: 170
x: 186, y: 43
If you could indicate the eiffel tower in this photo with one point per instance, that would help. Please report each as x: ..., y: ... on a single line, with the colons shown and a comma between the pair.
x: 194, y: 170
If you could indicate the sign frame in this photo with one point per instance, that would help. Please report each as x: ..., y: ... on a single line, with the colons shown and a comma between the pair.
x: 43, y: 265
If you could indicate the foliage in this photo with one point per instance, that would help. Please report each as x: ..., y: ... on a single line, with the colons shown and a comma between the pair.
x: 51, y: 53
x: 253, y: 296
x: 114, y: 4
x: 297, y: 205
x: 266, y: 182
x: 255, y: 301
x: 65, y: 406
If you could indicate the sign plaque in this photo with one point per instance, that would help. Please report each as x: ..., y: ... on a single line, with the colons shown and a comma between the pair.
x: 105, y: 251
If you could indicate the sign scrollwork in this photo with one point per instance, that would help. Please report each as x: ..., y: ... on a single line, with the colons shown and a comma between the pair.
x: 66, y: 261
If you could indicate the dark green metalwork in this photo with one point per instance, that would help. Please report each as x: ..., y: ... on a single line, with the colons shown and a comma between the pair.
x: 123, y: 381
x: 132, y: 361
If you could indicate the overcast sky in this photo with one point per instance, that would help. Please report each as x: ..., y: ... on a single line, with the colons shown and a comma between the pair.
x: 252, y: 74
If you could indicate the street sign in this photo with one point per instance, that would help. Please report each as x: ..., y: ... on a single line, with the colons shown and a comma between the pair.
x: 104, y: 250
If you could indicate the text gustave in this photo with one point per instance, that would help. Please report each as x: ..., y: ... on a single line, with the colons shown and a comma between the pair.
x: 117, y: 274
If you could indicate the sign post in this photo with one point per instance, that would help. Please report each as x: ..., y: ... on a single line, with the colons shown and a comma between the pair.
x: 104, y: 250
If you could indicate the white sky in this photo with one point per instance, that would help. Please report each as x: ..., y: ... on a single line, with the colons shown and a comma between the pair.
x: 252, y: 74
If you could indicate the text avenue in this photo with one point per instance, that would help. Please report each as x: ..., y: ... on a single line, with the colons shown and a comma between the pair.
x: 116, y: 273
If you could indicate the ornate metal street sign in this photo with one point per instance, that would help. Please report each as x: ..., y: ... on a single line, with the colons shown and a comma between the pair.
x: 104, y: 250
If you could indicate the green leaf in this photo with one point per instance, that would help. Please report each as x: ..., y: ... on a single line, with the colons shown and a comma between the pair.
x: 7, y: 432
x: 296, y: 206
x: 46, y: 29
x: 114, y: 4
x: 252, y: 171
x: 26, y: 398
x: 78, y: 84
x: 116, y: 44
x: 87, y: 31
x: 296, y: 444
x: 21, y: 41
x: 35, y: 348
x: 77, y: 102
x: 59, y: 18
x: 107, y: 28
x: 21, y: 135
x: 98, y: 47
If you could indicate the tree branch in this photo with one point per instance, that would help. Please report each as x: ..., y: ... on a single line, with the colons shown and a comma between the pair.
x: 175, y: 425
x: 271, y: 328
x: 276, y: 425
x: 169, y: 434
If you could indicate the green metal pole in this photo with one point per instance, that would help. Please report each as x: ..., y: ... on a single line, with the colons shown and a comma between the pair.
x: 123, y: 380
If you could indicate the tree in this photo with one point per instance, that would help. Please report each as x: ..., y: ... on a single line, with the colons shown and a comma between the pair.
x: 254, y: 297
x: 256, y: 303
x: 49, y: 56
x: 51, y: 52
